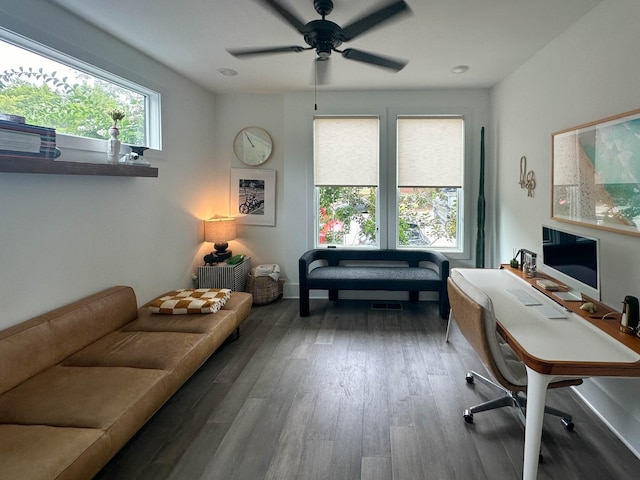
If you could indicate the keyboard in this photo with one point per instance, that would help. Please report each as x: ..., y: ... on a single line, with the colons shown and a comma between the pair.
x: 549, y: 311
x: 523, y: 297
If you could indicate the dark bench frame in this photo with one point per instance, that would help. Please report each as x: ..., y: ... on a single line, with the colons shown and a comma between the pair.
x: 356, y: 269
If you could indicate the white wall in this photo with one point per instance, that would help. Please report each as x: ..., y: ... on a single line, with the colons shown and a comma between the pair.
x: 63, y: 237
x: 234, y: 112
x: 289, y: 119
x: 587, y: 73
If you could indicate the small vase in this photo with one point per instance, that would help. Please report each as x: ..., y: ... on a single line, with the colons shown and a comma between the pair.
x: 113, y: 146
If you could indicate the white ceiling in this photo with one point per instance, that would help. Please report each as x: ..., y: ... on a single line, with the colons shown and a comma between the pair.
x: 492, y: 37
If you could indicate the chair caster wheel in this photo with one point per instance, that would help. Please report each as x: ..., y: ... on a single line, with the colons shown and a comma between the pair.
x: 468, y: 416
x: 469, y: 379
x: 568, y: 424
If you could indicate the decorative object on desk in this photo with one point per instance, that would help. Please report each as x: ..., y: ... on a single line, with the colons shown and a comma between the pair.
x: 549, y: 285
x: 253, y: 146
x: 481, y: 208
x: 630, y: 315
x: 253, y: 196
x: 527, y: 179
x: 113, y: 144
x: 513, y: 263
x: 595, y: 172
x: 589, y: 307
x: 219, y: 231
x: 529, y: 263
x: 526, y: 255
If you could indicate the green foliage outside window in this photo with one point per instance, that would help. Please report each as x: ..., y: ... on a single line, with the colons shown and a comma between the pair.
x: 433, y: 210
x: 340, y: 206
x: 79, y: 109
x: 430, y: 210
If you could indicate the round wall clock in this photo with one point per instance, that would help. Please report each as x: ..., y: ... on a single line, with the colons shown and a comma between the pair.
x: 253, y: 146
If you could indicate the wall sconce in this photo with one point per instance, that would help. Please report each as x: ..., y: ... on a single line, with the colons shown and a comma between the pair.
x: 219, y: 231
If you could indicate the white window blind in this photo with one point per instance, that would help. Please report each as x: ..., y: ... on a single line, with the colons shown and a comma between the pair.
x: 346, y: 151
x: 430, y: 151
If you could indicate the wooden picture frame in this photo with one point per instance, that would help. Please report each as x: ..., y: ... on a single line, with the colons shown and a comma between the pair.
x: 253, y: 196
x: 595, y: 174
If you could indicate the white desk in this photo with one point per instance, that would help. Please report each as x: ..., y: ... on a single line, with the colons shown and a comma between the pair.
x: 550, y: 348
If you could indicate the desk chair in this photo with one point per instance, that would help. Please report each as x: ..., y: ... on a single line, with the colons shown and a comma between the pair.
x: 472, y: 310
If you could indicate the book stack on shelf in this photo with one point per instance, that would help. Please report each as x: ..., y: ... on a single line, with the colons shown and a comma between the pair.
x: 20, y: 139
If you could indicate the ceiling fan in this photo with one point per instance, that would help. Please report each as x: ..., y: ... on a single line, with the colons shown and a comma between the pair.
x: 325, y: 36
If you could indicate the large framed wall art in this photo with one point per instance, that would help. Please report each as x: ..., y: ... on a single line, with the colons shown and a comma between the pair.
x: 596, y: 174
x: 253, y: 196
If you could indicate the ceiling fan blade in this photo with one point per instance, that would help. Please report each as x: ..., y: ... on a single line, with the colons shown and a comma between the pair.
x: 321, y: 70
x: 373, y: 59
x: 373, y: 19
x: 286, y: 14
x: 248, y: 52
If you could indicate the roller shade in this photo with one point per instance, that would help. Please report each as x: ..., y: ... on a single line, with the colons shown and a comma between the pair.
x: 430, y: 151
x: 346, y: 151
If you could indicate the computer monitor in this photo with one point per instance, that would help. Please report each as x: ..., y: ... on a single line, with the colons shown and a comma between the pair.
x: 572, y: 259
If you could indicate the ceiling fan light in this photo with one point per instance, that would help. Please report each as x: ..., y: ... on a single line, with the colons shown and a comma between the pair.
x: 459, y: 69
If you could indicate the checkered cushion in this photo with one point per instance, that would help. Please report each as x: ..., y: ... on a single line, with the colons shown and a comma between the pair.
x: 183, y: 301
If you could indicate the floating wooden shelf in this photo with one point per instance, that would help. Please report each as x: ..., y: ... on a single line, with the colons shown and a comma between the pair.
x: 56, y: 167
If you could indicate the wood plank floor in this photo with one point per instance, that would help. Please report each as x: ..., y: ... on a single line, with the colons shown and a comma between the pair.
x: 353, y: 392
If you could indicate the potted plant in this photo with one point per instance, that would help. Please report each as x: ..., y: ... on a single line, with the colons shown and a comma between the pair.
x: 116, y: 115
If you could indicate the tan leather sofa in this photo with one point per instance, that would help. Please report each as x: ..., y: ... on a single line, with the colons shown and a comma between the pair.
x: 78, y: 382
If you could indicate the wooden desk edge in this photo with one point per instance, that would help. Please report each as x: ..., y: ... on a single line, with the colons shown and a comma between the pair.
x: 610, y: 326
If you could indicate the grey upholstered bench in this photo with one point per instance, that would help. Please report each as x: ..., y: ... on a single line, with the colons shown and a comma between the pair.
x: 335, y: 269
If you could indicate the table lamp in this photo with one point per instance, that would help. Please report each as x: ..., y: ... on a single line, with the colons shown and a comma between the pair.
x: 219, y: 231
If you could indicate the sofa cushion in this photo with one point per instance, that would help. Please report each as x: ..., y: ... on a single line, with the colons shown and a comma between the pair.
x: 118, y: 399
x: 182, y: 353
x: 205, y: 323
x: 40, y: 452
x: 186, y: 301
x: 61, y: 332
x: 376, y: 278
x: 240, y: 302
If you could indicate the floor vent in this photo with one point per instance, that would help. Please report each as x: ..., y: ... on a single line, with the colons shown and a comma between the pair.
x: 386, y: 306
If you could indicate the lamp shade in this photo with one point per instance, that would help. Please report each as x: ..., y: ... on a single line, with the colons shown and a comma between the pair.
x: 219, y: 230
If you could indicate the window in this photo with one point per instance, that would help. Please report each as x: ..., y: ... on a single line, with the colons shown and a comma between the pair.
x: 346, y: 159
x: 53, y: 90
x: 429, y: 181
x: 424, y: 205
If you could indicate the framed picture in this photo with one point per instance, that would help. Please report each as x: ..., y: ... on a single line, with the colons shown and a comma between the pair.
x: 596, y: 174
x: 253, y: 196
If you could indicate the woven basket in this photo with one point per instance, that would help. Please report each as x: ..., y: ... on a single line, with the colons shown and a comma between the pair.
x: 264, y: 289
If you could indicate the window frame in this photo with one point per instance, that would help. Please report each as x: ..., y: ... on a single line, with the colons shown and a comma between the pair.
x: 153, y: 99
x: 387, y: 203
x: 460, y: 193
x: 316, y: 202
